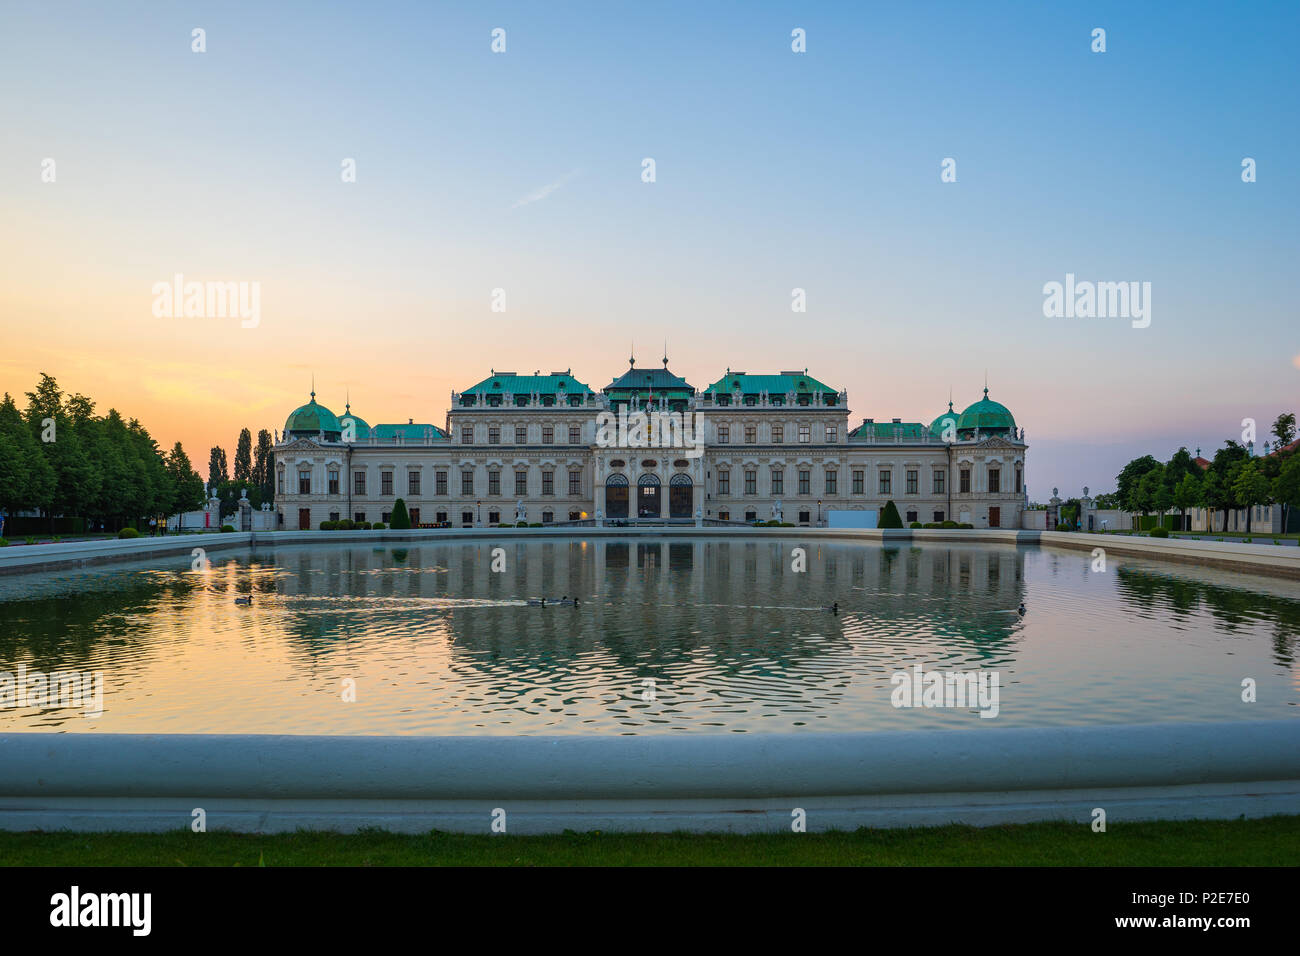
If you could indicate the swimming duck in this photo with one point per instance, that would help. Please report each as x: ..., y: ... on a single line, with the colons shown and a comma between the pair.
x: 833, y: 608
x: 245, y: 600
x: 1021, y: 610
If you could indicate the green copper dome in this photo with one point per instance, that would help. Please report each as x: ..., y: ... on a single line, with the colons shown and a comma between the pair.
x: 311, y: 419
x: 361, y: 425
x: 941, y: 423
x: 988, y: 416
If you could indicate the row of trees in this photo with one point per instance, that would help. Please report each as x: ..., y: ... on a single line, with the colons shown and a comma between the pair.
x: 1234, y: 479
x: 254, y: 471
x: 58, y: 457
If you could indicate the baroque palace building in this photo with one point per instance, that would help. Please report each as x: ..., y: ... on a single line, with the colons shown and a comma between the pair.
x: 540, y: 448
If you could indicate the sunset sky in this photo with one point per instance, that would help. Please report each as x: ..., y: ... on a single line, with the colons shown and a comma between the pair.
x: 775, y: 170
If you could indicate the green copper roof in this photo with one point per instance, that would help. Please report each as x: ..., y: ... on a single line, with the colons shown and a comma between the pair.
x: 509, y: 383
x: 311, y: 419
x: 645, y: 380
x: 941, y: 423
x: 775, y: 385
x: 412, y: 433
x: 986, y: 415
x: 886, y: 431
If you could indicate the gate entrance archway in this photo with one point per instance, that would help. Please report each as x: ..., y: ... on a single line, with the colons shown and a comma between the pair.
x: 647, y: 497
x: 616, y: 496
x: 681, y: 496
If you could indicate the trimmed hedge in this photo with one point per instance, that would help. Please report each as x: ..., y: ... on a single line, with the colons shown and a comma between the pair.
x: 915, y: 524
x: 1163, y: 533
x: 378, y: 526
x: 889, y: 516
x: 129, y: 533
x: 399, y: 520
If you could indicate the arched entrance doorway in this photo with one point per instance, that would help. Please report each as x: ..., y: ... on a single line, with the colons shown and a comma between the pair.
x: 681, y: 496
x: 647, y: 496
x: 616, y: 496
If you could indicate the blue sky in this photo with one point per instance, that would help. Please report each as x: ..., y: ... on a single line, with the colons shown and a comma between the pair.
x: 775, y: 170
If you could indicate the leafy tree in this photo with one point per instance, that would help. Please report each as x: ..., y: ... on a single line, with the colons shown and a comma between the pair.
x: 1187, y: 494
x: 76, y: 481
x: 264, y: 467
x: 401, y: 520
x: 1225, y: 496
x: 1284, y: 429
x: 1147, y: 495
x: 1286, y: 486
x: 187, y: 486
x: 1107, y: 501
x: 217, y: 472
x: 244, y: 457
x: 889, y: 516
x: 1126, y: 483
x: 1250, y: 487
x: 26, y: 478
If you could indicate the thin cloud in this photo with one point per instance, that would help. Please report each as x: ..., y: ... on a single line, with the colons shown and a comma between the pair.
x: 537, y: 195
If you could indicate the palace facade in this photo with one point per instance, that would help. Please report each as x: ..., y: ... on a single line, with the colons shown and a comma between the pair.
x: 540, y: 448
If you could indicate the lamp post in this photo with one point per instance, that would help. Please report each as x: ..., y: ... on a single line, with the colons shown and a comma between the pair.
x: 819, y: 512
x: 478, y: 514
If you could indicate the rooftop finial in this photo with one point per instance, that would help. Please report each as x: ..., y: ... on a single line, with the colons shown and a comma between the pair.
x: 665, y: 353
x: 313, y: 386
x: 347, y: 401
x: 631, y: 359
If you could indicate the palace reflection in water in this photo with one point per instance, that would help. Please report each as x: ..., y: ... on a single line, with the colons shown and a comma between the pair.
x: 670, y: 635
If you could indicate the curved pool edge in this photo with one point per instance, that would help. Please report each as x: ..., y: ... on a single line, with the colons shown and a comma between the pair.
x: 701, y: 783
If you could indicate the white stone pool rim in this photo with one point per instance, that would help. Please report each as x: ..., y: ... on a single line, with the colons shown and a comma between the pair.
x: 739, y: 783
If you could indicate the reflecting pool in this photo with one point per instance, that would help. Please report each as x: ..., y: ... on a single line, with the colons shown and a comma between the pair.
x: 669, y: 636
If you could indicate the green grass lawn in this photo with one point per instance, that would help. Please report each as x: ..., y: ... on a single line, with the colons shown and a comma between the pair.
x: 1264, y: 842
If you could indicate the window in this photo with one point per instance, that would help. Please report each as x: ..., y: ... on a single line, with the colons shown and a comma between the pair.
x: 575, y: 482
x: 938, y: 481
x: 724, y: 515
x: 548, y: 434
x: 442, y: 516
x: 334, y: 516
x: 831, y: 433
x: 995, y: 480
x: 1019, y: 476
x: 965, y: 481
x: 494, y: 517
x: 385, y: 516
x: 751, y: 515
x: 548, y: 517
x: 385, y: 482
x: 333, y: 478
x: 467, y: 482
x: 521, y: 434
x: 494, y: 434
x: 304, y: 482
x: 805, y: 517
x: 575, y: 515
x: 724, y: 434
x: 548, y: 482
x: 938, y: 517
x: 279, y: 482
x: 805, y: 433
x: 412, y: 482
x: 778, y: 481
x: 440, y: 484
x: 359, y: 517
x: 575, y: 434
x: 521, y: 482
x: 467, y: 519
x: 724, y: 481
x: 910, y: 517
x: 751, y: 481
x: 858, y: 478
x: 778, y: 434
x: 913, y: 482
x: 467, y: 434
x: 832, y: 481
x: 751, y: 434
x: 805, y: 482
x: 886, y: 482
x: 494, y: 482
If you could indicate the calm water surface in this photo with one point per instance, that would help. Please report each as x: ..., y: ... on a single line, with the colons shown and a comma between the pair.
x: 671, y: 636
